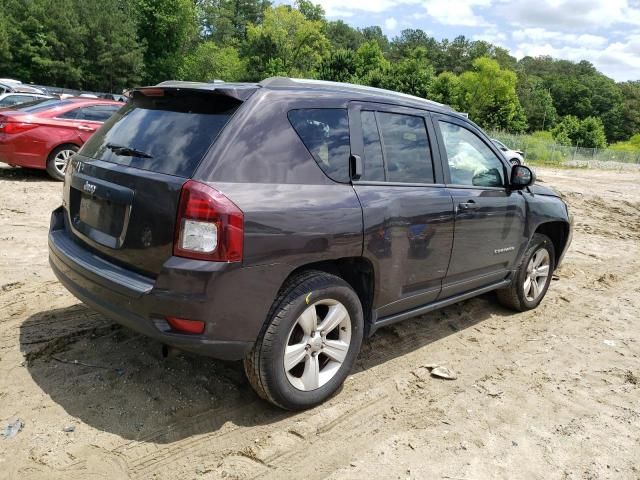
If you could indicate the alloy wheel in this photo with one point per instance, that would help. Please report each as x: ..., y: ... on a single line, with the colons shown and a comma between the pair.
x: 317, y: 345
x: 61, y: 160
x: 537, y: 274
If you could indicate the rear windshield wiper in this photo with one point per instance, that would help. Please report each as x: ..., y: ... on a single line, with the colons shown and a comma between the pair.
x: 126, y: 151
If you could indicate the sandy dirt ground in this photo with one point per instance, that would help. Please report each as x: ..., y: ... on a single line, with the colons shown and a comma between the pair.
x: 549, y: 394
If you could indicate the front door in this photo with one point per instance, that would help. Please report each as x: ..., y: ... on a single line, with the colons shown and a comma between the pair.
x: 407, y: 210
x: 489, y: 232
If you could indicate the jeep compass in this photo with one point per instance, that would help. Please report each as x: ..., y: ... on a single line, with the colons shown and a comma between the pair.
x: 282, y: 222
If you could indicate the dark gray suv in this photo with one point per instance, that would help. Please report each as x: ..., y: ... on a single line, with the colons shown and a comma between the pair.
x: 283, y: 222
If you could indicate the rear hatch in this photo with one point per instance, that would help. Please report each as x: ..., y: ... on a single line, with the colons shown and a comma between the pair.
x: 123, y: 189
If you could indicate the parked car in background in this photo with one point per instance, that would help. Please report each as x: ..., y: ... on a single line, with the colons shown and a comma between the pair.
x: 45, y: 133
x: 9, y: 86
x: 10, y: 99
x: 515, y: 157
x: 283, y: 222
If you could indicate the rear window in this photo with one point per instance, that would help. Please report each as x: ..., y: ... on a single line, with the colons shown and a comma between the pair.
x: 167, y: 134
x: 325, y: 133
x: 42, y: 105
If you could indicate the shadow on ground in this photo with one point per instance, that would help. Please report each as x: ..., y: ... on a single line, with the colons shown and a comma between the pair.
x: 24, y: 174
x: 120, y: 384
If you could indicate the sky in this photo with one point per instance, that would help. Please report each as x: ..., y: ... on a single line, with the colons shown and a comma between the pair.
x: 606, y: 33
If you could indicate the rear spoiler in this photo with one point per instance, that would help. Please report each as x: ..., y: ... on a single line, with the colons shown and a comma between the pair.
x: 237, y: 91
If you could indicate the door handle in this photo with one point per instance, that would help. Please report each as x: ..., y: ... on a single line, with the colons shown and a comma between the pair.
x: 470, y: 205
x: 356, y: 167
x: 86, y: 128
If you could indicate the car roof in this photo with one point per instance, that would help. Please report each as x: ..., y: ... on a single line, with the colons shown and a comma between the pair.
x: 242, y: 91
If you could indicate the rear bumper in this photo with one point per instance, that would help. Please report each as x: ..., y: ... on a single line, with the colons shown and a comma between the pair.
x: 215, y: 293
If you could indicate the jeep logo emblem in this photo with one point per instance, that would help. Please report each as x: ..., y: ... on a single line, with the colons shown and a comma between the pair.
x: 89, y: 188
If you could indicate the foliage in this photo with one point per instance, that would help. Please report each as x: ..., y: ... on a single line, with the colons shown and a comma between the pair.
x: 285, y: 43
x: 537, y: 103
x: 211, y: 62
x: 167, y: 27
x: 488, y: 94
x: 225, y: 21
x: 588, y: 132
x: 116, y: 44
x: 631, y: 145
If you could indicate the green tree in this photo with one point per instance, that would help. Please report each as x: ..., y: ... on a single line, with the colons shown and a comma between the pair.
x: 286, y: 43
x: 488, y: 94
x: 311, y: 11
x: 537, y: 103
x: 375, y: 33
x: 211, y: 62
x: 446, y: 89
x: 167, y: 28
x: 339, y: 66
x: 343, y: 36
x: 370, y: 58
x: 113, y: 59
x: 588, y: 132
x: 630, y: 108
x: 413, y: 75
x: 226, y: 21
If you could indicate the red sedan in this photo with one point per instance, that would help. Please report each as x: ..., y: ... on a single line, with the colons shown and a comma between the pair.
x: 46, y: 133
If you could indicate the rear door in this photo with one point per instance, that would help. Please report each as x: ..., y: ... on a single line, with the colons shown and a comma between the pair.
x: 122, y: 190
x: 407, y: 210
x: 489, y: 218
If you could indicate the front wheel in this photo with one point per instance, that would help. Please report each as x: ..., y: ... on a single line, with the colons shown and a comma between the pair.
x: 531, y: 280
x: 59, y: 159
x: 309, y: 344
x: 515, y: 161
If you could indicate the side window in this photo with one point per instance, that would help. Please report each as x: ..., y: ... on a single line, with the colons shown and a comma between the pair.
x: 373, y: 164
x: 70, y: 115
x: 407, y: 154
x: 471, y: 161
x: 97, y: 113
x: 325, y: 133
x: 16, y: 99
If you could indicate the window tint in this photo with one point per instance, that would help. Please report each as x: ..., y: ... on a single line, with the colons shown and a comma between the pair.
x: 42, y: 105
x: 97, y: 113
x: 71, y: 114
x: 373, y: 164
x: 15, y: 99
x: 407, y: 154
x: 325, y: 133
x: 173, y: 130
x: 471, y: 161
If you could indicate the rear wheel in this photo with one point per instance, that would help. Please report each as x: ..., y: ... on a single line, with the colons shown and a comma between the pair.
x: 532, y: 278
x: 59, y: 159
x: 309, y: 344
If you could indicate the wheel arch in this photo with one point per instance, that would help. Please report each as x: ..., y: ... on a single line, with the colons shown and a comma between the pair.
x: 62, y: 144
x: 558, y: 232
x: 358, y: 272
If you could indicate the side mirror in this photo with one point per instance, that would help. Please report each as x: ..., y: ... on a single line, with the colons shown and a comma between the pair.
x: 522, y: 177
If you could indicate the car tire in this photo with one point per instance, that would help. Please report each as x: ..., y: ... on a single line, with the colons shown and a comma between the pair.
x: 58, y: 157
x: 536, y: 266
x: 515, y: 161
x: 294, y: 324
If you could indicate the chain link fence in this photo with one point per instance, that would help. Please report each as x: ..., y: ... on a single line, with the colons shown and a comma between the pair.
x: 541, y: 150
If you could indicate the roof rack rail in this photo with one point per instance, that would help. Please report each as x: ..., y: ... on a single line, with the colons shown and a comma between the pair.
x: 302, y: 82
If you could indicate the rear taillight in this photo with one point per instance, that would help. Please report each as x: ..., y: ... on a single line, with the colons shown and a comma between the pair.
x: 16, y: 127
x: 209, y: 226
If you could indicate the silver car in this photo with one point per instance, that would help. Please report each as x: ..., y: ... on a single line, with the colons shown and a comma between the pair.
x: 515, y: 157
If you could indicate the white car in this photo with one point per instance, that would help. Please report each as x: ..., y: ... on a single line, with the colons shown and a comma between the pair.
x: 9, y: 99
x: 515, y: 157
